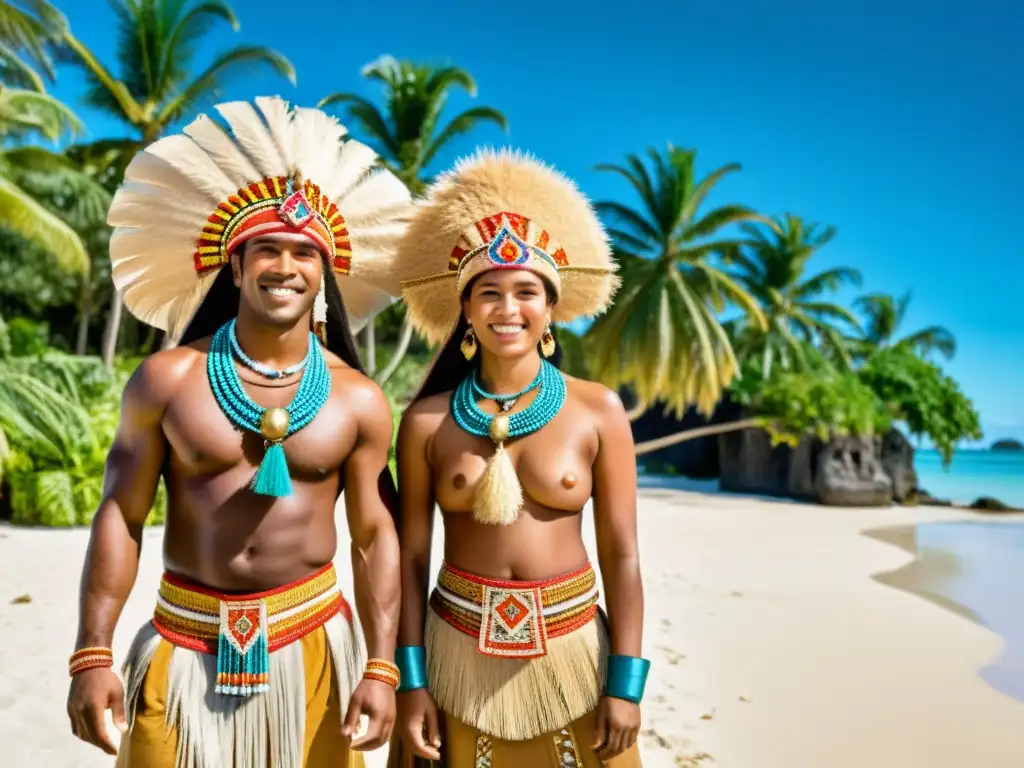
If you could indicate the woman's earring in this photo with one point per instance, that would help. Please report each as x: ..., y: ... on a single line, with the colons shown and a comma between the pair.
x: 547, y: 341
x: 468, y: 344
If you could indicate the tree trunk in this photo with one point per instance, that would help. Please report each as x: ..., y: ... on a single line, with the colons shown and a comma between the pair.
x: 84, y: 313
x: 370, y: 347
x: 649, y: 446
x: 113, y: 330
x: 403, y: 346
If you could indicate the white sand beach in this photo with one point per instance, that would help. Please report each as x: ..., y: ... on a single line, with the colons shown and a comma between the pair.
x: 772, y: 645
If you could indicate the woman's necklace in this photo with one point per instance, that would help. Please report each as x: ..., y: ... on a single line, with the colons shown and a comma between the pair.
x: 499, y: 495
x: 274, y: 424
x: 260, y: 368
x: 505, y: 402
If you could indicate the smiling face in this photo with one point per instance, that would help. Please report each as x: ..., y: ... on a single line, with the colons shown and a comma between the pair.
x: 508, y: 309
x: 279, y: 277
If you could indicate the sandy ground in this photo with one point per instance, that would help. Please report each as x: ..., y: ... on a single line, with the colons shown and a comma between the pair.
x: 774, y: 642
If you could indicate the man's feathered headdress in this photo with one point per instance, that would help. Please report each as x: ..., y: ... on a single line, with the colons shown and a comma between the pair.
x: 189, y: 200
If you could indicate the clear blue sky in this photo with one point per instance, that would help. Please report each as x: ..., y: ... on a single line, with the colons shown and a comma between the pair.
x: 901, y: 123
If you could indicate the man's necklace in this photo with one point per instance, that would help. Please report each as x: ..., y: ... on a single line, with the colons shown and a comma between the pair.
x: 260, y: 368
x: 273, y: 424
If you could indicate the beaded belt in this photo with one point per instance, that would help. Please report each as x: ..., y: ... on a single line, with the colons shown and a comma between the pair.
x: 243, y: 630
x: 515, y: 618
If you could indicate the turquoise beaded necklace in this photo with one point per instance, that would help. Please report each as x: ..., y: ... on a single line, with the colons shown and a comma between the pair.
x: 545, y: 406
x: 274, y: 424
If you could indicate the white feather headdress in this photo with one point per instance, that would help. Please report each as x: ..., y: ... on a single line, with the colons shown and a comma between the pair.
x: 189, y: 199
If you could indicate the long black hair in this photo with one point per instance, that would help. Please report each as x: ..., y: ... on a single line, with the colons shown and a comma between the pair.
x: 221, y: 305
x: 450, y: 366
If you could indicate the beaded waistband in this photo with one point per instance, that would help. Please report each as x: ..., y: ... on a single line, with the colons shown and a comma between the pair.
x: 515, y: 618
x: 191, y: 615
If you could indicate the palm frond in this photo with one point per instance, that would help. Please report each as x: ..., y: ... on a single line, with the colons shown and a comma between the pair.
x: 24, y: 112
x: 23, y: 215
x: 28, y: 31
x: 460, y: 125
x: 373, y: 123
x: 828, y: 281
x: 55, y: 181
x: 208, y: 83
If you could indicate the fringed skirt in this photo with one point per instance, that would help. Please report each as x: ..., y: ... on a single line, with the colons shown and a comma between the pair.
x: 242, y: 681
x: 516, y: 669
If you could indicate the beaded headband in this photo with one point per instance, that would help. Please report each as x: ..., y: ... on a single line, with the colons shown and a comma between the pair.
x: 271, y: 169
x: 486, y: 214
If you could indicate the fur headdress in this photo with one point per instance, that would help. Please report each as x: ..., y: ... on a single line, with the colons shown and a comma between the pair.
x: 189, y: 200
x: 502, y: 210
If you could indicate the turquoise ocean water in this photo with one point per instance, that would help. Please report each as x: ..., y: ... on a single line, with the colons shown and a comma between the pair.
x: 972, y: 474
x: 987, y: 577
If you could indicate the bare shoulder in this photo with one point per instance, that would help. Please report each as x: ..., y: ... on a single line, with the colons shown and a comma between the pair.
x: 603, y: 402
x: 161, y: 376
x: 361, y: 394
x: 423, y: 417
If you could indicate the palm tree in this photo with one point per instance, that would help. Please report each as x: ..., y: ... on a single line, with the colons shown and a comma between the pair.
x: 885, y: 314
x: 408, y: 137
x: 157, y: 42
x: 662, y: 337
x: 773, y: 270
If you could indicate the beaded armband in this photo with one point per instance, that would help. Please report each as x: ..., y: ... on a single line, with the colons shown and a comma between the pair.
x: 627, y: 677
x: 383, y: 671
x: 90, y: 658
x: 412, y: 663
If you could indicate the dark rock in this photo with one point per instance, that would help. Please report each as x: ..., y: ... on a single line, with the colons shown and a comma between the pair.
x: 1008, y: 444
x: 850, y: 474
x: 922, y: 497
x: 897, y: 456
x: 697, y: 458
x: 988, y: 504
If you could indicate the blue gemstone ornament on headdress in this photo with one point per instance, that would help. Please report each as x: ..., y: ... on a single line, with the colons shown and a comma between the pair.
x: 508, y: 250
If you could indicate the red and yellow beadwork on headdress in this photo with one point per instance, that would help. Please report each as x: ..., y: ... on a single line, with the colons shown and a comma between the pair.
x: 191, y: 199
x: 274, y: 206
x: 502, y: 210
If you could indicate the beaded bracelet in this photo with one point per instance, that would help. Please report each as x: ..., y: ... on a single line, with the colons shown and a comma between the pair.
x: 412, y: 661
x: 90, y: 658
x: 627, y: 677
x: 383, y: 671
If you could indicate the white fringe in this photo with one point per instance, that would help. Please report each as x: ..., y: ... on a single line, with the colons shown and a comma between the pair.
x: 217, y: 731
x: 516, y: 699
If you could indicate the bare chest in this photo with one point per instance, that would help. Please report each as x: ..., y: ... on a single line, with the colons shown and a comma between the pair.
x: 205, y: 441
x: 554, y: 464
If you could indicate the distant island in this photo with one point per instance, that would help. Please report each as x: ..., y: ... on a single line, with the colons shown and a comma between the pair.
x: 1007, y: 445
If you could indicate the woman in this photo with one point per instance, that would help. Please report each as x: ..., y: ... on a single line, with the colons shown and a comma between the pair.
x: 510, y: 662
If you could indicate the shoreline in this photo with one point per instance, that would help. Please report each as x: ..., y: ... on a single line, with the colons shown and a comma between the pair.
x: 772, y: 644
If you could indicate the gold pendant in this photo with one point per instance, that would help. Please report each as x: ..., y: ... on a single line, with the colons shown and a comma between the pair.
x: 498, y: 429
x: 274, y: 424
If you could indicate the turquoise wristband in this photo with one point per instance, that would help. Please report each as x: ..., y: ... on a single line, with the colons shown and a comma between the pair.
x: 627, y: 676
x: 412, y: 667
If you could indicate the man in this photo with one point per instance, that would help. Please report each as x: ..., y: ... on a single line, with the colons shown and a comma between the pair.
x: 235, y: 244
